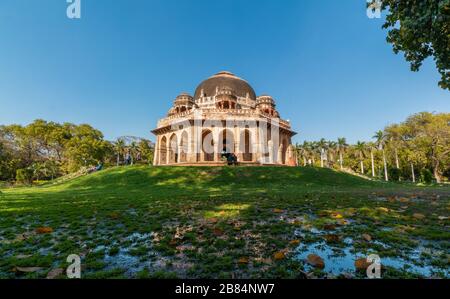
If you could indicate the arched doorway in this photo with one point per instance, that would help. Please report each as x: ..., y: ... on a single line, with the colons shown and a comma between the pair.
x: 163, y: 151
x: 226, y: 139
x: 246, y: 143
x: 173, y: 149
x: 207, y: 146
x: 184, y: 147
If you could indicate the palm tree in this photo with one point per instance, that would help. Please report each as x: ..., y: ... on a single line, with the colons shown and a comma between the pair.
x: 332, y: 149
x: 393, y: 134
x: 119, y: 148
x: 360, y: 148
x: 372, y: 147
x: 134, y: 151
x: 341, y: 147
x: 322, y: 146
x: 301, y: 152
x: 380, y: 141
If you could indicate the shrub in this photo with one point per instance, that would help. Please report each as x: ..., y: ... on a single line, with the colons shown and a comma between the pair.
x: 24, y: 176
x: 394, y: 174
x: 426, y: 176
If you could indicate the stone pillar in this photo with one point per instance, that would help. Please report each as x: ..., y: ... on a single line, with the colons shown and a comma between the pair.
x: 157, y: 152
x: 257, y: 155
x: 280, y: 154
x: 271, y: 151
x: 239, y: 153
x: 180, y: 150
x: 167, y: 149
x: 216, y: 142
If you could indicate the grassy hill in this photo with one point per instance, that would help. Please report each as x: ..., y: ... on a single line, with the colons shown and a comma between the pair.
x: 218, y: 222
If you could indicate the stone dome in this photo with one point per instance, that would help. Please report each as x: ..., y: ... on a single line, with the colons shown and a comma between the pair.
x: 225, y: 80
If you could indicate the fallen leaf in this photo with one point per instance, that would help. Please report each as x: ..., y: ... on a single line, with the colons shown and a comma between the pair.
x: 343, y: 222
x: 114, y: 215
x: 383, y: 209
x: 418, y: 216
x: 55, y: 273
x: 278, y: 211
x: 212, y: 220
x: 278, y: 256
x: 27, y: 269
x: 243, y: 260
x: 315, y: 261
x: 362, y: 264
x: 367, y: 237
x: 44, y: 230
x: 294, y: 242
x: 329, y: 227
x: 218, y: 232
x: 331, y: 238
x: 337, y: 216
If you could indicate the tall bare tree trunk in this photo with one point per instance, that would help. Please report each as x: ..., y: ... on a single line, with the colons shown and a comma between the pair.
x: 397, y: 162
x: 436, y: 173
x: 412, y: 172
x: 373, y: 163
x: 362, y: 163
x: 385, y: 166
x: 340, y: 160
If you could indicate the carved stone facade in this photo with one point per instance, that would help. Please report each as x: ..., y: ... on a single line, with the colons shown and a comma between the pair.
x: 224, y: 117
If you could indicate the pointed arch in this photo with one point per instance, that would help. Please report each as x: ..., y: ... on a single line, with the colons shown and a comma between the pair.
x: 173, y: 149
x: 163, y: 151
x: 246, y: 145
x: 184, y: 146
x: 207, y: 146
x: 227, y: 141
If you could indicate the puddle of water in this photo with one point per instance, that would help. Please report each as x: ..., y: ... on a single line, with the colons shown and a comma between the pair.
x: 341, y: 260
x: 124, y: 259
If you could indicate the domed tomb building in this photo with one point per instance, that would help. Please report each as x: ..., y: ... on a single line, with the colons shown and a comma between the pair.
x: 223, y: 118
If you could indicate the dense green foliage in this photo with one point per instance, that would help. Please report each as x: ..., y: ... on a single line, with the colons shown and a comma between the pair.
x: 400, y: 152
x: 420, y: 29
x: 219, y: 222
x: 48, y: 150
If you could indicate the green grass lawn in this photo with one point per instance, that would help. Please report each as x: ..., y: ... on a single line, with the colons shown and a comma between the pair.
x: 255, y: 222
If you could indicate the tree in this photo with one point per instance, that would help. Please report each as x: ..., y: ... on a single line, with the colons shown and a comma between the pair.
x: 341, y: 147
x: 322, y: 146
x: 380, y: 141
x: 134, y: 152
x: 119, y: 147
x: 420, y: 29
x: 393, y: 134
x: 360, y: 148
x: 372, y: 148
x: 146, y: 151
x: 431, y: 133
x: 332, y: 149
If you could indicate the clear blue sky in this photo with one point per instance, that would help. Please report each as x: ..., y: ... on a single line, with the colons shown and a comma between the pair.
x: 120, y: 67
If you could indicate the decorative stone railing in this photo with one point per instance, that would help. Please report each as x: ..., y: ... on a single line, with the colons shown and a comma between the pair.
x: 235, y: 112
